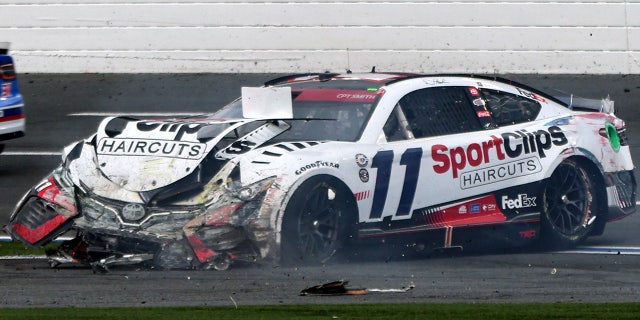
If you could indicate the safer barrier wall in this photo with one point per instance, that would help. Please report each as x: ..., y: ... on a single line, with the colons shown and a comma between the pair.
x: 283, y: 36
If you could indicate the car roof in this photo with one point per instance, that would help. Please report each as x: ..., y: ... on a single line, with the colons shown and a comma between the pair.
x: 376, y: 80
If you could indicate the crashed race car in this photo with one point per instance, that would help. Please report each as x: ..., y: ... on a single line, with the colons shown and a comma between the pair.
x: 12, y: 115
x: 308, y: 166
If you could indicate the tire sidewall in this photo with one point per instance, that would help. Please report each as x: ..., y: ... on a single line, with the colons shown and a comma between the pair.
x: 290, y: 246
x: 552, y: 237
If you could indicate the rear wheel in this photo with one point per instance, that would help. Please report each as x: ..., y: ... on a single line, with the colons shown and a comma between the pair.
x: 316, y: 223
x: 569, y: 204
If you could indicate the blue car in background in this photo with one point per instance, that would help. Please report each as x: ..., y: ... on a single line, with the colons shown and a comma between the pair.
x: 12, y: 116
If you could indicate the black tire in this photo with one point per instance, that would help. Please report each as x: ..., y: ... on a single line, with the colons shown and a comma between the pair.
x: 317, y: 222
x: 569, y: 205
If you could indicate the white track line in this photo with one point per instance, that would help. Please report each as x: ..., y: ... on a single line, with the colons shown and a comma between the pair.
x: 23, y: 257
x: 143, y: 114
x: 31, y: 153
x: 605, y: 250
x: 633, y: 251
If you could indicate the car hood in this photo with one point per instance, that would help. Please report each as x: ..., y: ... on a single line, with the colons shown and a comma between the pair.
x: 142, y: 155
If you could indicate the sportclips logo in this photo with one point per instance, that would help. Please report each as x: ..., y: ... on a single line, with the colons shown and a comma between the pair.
x: 180, y: 129
x: 167, y: 140
x: 507, y: 145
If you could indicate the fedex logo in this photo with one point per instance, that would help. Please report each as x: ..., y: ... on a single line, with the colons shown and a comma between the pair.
x: 521, y: 201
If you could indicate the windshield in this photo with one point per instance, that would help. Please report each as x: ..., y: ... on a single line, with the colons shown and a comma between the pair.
x: 318, y: 119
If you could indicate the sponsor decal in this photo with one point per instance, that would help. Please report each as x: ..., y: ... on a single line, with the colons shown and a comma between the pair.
x: 508, y: 144
x: 240, y: 147
x: 362, y: 160
x: 520, y: 201
x: 473, y: 211
x: 528, y: 234
x: 483, y: 114
x: 147, y: 147
x: 500, y: 172
x: 362, y: 195
x: 317, y: 164
x: 478, y: 102
x: 6, y: 90
x: 531, y: 95
x: 254, y: 139
x: 180, y: 129
x: 474, y: 92
x: 489, y: 207
x: 364, y: 175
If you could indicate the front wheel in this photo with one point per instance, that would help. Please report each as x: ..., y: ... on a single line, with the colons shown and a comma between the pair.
x: 316, y: 223
x: 569, y: 204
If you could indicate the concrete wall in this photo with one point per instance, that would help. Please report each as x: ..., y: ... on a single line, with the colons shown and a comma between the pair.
x: 285, y: 36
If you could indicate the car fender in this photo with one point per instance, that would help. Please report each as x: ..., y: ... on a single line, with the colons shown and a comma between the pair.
x: 278, y: 210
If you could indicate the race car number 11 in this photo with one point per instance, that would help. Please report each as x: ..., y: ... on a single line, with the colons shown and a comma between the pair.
x: 383, y: 160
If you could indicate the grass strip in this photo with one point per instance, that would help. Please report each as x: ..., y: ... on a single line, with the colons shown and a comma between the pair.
x: 16, y: 248
x: 429, y: 311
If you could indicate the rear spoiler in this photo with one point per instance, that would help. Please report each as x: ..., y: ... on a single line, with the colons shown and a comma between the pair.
x: 4, y: 47
x: 584, y: 104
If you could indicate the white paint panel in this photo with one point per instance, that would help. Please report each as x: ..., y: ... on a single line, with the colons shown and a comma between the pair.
x: 604, y: 62
x: 49, y: 2
x: 314, y: 14
x: 323, y: 38
x: 517, y: 36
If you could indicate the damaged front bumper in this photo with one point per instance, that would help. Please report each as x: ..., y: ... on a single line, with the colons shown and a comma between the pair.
x: 235, y: 226
x: 44, y: 213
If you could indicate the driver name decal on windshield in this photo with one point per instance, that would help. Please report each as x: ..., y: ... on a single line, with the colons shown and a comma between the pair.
x: 337, y: 95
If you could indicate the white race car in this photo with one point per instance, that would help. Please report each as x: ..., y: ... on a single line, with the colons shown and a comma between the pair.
x: 301, y: 169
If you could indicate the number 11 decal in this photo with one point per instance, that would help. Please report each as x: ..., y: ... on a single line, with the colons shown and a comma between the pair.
x: 383, y: 160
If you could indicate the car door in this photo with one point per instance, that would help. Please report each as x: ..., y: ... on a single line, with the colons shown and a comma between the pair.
x: 407, y: 176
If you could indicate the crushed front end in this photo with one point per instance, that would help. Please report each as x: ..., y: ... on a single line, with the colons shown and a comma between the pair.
x: 108, y: 232
x: 206, y: 218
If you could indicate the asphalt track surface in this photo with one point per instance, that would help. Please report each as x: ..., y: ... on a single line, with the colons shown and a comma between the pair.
x: 65, y: 108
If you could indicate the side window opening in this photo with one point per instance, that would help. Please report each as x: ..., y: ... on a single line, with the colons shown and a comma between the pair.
x: 508, y: 109
x: 431, y: 112
x: 397, y: 126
